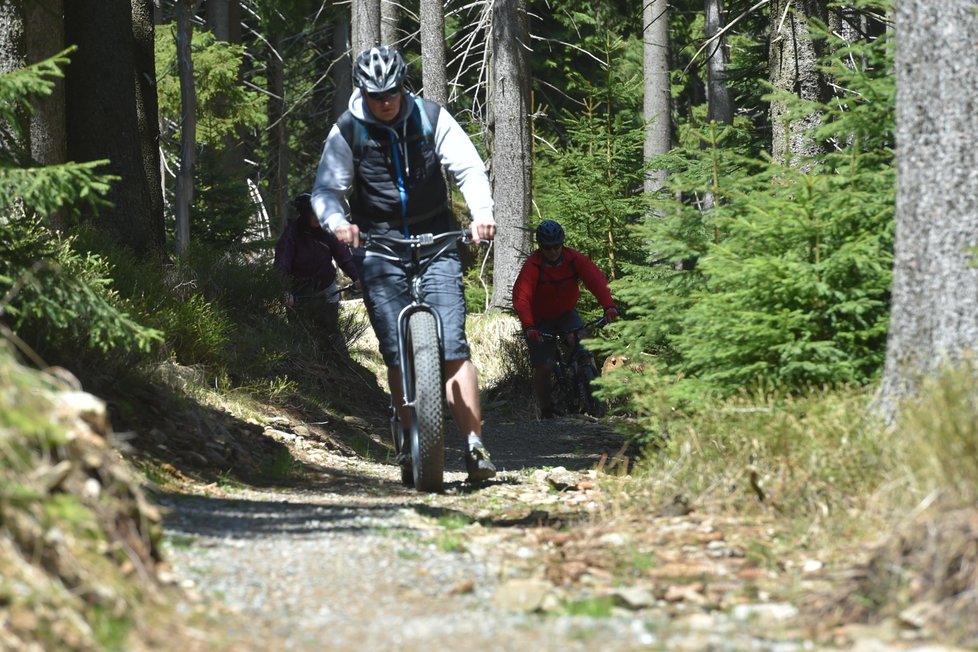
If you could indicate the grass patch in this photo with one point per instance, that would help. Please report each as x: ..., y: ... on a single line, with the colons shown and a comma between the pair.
x: 279, y: 467
x: 450, y: 538
x: 936, y: 436
x: 180, y: 540
x: 227, y: 481
x: 450, y: 542
x: 593, y: 607
x: 810, y: 460
x: 365, y: 447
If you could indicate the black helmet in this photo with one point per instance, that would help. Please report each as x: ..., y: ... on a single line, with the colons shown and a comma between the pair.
x: 550, y: 234
x: 302, y: 202
x: 379, y: 69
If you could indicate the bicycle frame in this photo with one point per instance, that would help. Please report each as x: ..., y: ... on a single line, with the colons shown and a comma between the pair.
x: 571, y: 378
x: 415, y: 269
x: 421, y: 251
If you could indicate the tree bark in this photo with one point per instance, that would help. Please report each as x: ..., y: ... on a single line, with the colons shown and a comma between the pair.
x: 512, y: 161
x: 719, y: 103
x: 45, y: 38
x: 188, y: 140
x: 106, y: 120
x: 13, y: 56
x: 793, y: 65
x: 148, y: 114
x: 390, y: 17
x: 224, y: 19
x: 657, y: 102
x: 433, y: 73
x: 934, y: 309
x: 366, y: 24
x: 342, y: 73
x: 278, y: 134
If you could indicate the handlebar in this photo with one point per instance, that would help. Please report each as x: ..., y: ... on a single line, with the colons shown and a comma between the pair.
x: 351, y: 287
x: 599, y: 321
x: 421, y: 240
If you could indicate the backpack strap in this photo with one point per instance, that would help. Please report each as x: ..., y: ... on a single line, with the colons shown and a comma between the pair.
x: 427, y: 119
x: 355, y: 133
x: 542, y: 266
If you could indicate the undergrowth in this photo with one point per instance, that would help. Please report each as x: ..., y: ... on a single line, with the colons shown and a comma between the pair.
x: 78, y: 542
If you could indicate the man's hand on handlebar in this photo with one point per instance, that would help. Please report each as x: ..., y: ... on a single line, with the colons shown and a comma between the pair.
x: 482, y: 229
x: 348, y: 234
x: 534, y: 335
x: 610, y: 314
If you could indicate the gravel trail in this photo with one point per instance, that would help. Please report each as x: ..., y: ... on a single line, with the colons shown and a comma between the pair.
x: 351, y: 560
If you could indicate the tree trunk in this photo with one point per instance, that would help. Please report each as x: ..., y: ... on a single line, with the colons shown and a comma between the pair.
x: 45, y: 38
x: 366, y: 24
x: 657, y: 105
x: 512, y: 161
x: 224, y: 19
x: 230, y: 159
x: 934, y: 310
x: 278, y: 134
x: 793, y: 65
x: 188, y: 141
x: 433, y: 73
x: 148, y: 114
x: 719, y: 103
x: 342, y: 66
x: 13, y: 56
x: 390, y: 17
x: 104, y: 119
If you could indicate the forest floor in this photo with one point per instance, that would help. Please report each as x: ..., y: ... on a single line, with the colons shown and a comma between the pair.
x: 552, y: 554
x: 537, y: 559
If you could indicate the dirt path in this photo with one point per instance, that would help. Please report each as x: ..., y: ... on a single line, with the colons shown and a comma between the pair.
x: 534, y: 560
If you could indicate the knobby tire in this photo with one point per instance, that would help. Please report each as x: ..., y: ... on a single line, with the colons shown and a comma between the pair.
x: 428, y: 447
x: 562, y: 391
x: 591, y: 405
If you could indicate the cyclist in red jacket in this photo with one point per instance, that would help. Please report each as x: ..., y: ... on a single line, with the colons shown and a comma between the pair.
x: 545, y: 298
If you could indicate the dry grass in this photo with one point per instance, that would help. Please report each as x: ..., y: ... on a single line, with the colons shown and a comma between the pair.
x: 498, y: 352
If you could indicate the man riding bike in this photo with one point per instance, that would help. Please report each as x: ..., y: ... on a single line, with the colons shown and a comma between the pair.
x: 383, y: 161
x: 545, y: 297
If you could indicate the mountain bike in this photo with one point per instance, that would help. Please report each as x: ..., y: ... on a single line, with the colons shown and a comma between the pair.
x: 421, y: 355
x: 574, y: 372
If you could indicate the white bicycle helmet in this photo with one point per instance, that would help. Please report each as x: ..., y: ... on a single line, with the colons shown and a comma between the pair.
x: 379, y: 69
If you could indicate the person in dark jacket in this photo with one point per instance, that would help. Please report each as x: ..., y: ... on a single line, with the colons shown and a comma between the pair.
x: 381, y: 171
x: 545, y: 297
x: 308, y: 255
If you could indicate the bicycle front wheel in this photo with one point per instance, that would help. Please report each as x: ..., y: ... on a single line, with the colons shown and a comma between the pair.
x: 562, y: 394
x: 428, y: 435
x: 591, y: 404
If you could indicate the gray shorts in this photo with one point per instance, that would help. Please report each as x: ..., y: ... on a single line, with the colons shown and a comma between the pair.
x: 386, y: 293
x: 542, y: 353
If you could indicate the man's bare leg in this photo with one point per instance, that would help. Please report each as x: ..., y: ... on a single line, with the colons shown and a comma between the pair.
x: 462, y: 391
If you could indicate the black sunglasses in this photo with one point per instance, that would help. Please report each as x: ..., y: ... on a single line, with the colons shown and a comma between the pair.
x: 386, y: 95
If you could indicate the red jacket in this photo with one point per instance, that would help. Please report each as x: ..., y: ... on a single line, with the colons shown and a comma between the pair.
x: 544, y: 292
